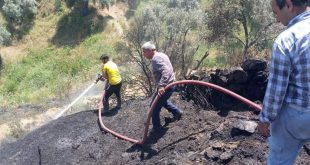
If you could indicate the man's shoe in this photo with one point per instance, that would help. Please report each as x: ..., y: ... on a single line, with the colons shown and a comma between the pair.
x: 177, y: 116
x: 157, y: 129
x: 104, y: 112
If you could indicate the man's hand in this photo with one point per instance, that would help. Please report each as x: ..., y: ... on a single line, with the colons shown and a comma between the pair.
x: 263, y: 128
x: 102, y: 78
x: 161, y: 91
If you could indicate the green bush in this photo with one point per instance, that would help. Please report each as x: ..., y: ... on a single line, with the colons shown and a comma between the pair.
x: 58, y: 6
x: 4, y: 36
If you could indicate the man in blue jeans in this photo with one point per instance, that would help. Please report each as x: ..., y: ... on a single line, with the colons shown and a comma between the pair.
x: 286, y: 106
x: 164, y: 75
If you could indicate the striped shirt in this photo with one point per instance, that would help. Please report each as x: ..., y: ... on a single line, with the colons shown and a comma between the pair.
x: 289, y: 73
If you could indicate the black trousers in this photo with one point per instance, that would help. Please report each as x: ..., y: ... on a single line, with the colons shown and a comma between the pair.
x: 110, y: 89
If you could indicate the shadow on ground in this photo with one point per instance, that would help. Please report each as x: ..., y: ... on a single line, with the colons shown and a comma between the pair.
x: 76, y: 26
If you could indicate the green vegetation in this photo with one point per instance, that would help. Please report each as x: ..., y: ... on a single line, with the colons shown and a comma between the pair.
x: 174, y: 27
x: 50, y: 72
x: 61, y: 40
x: 240, y: 27
x: 19, y: 16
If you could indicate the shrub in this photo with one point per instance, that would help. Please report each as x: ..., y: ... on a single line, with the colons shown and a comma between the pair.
x: 4, y: 36
x: 17, y: 10
x: 58, y: 6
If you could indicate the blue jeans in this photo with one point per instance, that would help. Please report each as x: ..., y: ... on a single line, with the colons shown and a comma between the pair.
x: 289, y: 132
x: 163, y: 102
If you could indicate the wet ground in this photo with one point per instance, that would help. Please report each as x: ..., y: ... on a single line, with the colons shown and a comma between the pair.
x: 200, y: 137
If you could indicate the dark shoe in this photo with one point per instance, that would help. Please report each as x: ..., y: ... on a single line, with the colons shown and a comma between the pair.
x: 157, y: 129
x: 177, y: 116
x: 104, y: 112
x: 118, y: 107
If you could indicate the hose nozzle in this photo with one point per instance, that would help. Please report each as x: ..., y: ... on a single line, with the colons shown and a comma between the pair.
x: 99, y: 77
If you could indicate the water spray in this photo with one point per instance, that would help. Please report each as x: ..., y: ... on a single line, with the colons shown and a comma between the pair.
x: 98, y: 77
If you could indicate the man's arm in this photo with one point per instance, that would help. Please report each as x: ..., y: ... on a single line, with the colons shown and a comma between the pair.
x: 104, y: 73
x: 278, y: 79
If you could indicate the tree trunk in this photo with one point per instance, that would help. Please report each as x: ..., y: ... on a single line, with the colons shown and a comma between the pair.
x: 246, y: 35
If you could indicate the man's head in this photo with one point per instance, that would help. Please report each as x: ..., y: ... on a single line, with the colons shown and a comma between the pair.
x: 104, y: 58
x: 285, y: 10
x: 148, y: 50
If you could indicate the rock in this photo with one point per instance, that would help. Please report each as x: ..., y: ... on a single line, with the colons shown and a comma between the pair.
x: 226, y: 157
x: 255, y: 92
x: 220, y: 151
x: 250, y: 162
x: 249, y: 80
x: 237, y: 75
x: 212, y: 154
x: 243, y: 128
x: 125, y: 155
x: 232, y: 145
x: 260, y: 77
x: 248, y: 126
x: 215, y: 134
x: 192, y: 156
x: 219, y: 146
x: 218, y: 80
x: 254, y: 65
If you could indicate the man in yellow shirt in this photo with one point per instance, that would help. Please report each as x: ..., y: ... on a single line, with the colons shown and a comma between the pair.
x: 114, y: 82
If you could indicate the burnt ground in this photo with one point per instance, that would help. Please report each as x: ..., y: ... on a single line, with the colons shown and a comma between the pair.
x: 200, y: 137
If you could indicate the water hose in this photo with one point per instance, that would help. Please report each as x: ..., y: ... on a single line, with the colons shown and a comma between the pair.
x: 106, y: 128
x: 147, y: 122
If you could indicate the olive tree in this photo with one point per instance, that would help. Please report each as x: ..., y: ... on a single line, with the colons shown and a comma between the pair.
x: 4, y: 39
x: 240, y: 25
x: 19, y: 15
x: 17, y: 10
x: 175, y: 26
x: 131, y: 47
x: 4, y: 36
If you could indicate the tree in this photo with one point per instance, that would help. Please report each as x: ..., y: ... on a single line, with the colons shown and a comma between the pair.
x: 17, y: 10
x: 19, y: 15
x: 175, y: 26
x: 4, y: 39
x: 4, y: 36
x: 240, y: 24
x: 132, y: 48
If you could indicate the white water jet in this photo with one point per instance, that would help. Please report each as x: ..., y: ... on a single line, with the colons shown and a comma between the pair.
x: 73, y: 102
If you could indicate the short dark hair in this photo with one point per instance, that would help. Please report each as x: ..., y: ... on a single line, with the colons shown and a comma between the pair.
x: 104, y: 57
x: 281, y: 3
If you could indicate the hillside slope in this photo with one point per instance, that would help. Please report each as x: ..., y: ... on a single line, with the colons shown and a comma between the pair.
x: 28, y: 106
x: 200, y: 137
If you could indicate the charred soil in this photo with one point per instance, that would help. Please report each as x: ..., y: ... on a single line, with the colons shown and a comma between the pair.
x: 202, y: 136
